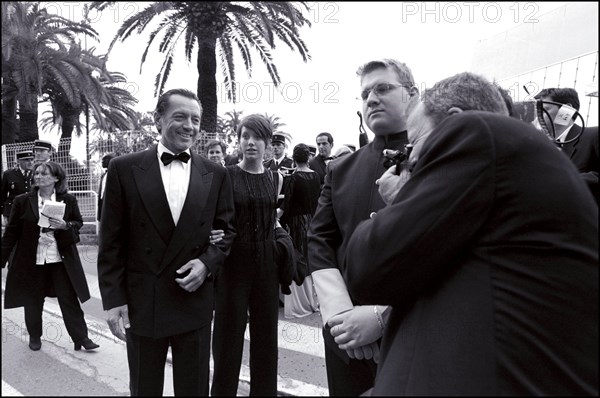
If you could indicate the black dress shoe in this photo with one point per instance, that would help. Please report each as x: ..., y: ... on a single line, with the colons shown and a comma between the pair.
x: 35, y: 343
x: 87, y: 344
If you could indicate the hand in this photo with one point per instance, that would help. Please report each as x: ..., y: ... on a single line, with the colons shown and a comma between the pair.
x: 57, y: 223
x: 365, y: 352
x: 390, y: 183
x: 196, y: 277
x: 216, y: 235
x: 355, y: 328
x: 118, y: 320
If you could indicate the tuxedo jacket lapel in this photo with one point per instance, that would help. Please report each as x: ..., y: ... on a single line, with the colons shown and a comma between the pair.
x: 195, y: 201
x: 152, y: 193
x: 571, y: 148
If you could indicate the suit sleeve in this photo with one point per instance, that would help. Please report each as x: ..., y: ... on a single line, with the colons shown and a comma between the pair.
x: 215, y: 254
x: 414, y: 242
x: 12, y: 230
x: 589, y: 166
x: 113, y: 241
x: 324, y: 237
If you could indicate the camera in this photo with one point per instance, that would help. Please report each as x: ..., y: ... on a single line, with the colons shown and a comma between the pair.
x: 396, y: 157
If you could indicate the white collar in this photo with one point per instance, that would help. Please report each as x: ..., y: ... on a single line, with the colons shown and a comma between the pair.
x: 162, y: 148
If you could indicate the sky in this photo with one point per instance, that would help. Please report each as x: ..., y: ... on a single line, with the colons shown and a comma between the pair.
x: 435, y: 39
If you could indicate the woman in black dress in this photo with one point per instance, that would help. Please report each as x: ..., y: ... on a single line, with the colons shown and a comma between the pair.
x: 249, y: 279
x: 300, y: 204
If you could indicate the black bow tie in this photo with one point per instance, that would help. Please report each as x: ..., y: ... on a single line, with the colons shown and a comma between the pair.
x: 167, y: 158
x: 330, y: 158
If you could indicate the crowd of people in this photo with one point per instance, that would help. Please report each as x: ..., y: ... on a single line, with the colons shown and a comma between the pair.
x: 467, y: 266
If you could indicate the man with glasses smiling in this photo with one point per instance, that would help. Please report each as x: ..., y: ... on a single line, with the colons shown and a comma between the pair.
x: 349, y: 196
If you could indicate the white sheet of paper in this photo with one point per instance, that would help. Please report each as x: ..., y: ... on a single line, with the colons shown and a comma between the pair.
x: 564, y: 115
x: 51, y: 209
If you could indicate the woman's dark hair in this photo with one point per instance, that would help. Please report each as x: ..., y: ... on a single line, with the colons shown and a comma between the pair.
x: 57, y: 171
x: 259, y: 125
x: 301, y: 153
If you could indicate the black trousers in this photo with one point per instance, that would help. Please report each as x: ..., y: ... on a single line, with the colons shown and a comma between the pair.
x: 346, y: 376
x: 147, y: 358
x: 240, y: 288
x: 58, y: 283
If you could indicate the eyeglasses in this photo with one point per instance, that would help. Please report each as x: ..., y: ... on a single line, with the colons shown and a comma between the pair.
x: 380, y: 89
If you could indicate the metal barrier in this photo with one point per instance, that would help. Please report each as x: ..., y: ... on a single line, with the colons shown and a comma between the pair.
x: 88, y: 206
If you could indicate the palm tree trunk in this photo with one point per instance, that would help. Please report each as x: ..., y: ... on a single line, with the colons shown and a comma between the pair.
x: 70, y: 117
x: 207, y: 84
x: 28, y: 127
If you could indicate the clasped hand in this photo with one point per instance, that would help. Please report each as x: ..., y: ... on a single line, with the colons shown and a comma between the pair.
x: 196, y: 277
x: 356, y: 331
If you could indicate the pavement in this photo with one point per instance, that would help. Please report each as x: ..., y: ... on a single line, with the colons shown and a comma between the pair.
x: 59, y: 370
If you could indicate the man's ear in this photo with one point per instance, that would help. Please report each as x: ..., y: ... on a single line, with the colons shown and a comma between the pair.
x: 156, y: 117
x: 454, y: 110
x: 413, y: 91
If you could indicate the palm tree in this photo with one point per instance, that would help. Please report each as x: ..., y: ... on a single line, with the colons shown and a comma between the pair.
x: 215, y: 29
x: 232, y: 121
x: 35, y: 48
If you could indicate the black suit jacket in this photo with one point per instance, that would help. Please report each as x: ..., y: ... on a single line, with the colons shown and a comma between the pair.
x: 285, y: 162
x: 14, y: 183
x: 489, y: 258
x: 318, y: 165
x: 100, y: 196
x: 584, y: 153
x: 23, y: 283
x: 141, y: 248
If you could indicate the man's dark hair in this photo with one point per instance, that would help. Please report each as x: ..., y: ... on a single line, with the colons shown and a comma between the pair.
x: 329, y: 137
x: 561, y: 95
x: 163, y: 100
x: 467, y: 91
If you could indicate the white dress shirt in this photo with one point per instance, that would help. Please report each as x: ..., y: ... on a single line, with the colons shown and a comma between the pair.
x: 176, y: 179
x: 47, y: 249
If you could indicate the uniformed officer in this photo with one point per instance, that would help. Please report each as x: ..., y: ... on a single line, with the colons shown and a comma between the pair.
x: 279, y: 162
x: 16, y: 181
x: 42, y: 150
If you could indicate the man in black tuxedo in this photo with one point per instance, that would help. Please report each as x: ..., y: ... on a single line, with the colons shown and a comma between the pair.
x: 319, y: 163
x: 487, y: 252
x: 348, y: 197
x: 102, y: 186
x: 15, y: 182
x: 581, y: 147
x: 156, y: 264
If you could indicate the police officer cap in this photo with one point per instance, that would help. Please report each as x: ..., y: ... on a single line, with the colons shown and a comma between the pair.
x: 23, y: 155
x: 278, y: 138
x: 41, y: 144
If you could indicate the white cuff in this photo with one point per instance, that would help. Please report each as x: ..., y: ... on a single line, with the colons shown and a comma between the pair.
x: 332, y: 292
